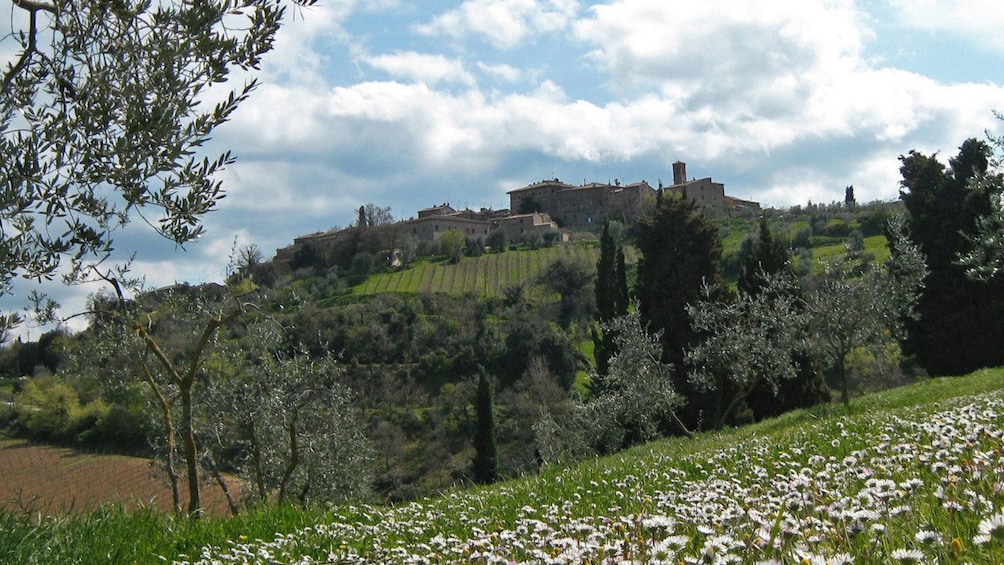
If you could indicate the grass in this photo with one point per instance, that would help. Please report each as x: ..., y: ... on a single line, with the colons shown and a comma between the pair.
x: 487, y: 275
x: 907, y: 473
x: 876, y: 245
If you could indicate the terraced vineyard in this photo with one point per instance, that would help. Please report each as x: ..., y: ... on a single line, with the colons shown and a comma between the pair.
x: 487, y: 275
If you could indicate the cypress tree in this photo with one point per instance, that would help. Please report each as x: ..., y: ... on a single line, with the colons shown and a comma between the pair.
x: 681, y: 251
x: 959, y: 329
x: 621, y: 296
x: 486, y: 450
x: 611, y: 301
x: 606, y: 277
x: 764, y: 255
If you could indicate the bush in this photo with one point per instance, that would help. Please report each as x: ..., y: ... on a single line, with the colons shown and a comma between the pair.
x: 46, y: 408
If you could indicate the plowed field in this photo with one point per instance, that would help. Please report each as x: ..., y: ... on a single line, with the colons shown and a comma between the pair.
x: 55, y: 480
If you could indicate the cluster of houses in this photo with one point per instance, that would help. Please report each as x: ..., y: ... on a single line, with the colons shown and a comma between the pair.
x: 551, y: 207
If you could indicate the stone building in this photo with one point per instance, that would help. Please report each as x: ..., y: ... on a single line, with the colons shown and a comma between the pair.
x: 571, y: 205
x: 435, y: 221
x: 592, y: 203
x: 517, y: 226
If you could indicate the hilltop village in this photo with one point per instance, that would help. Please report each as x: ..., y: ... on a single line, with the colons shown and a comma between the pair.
x: 548, y: 209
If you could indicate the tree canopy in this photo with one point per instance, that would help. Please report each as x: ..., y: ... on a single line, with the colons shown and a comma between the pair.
x: 959, y: 327
x: 681, y: 252
x: 104, y: 110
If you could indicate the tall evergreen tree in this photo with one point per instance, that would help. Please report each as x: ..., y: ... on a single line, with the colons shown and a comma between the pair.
x: 681, y: 252
x: 611, y: 301
x: 622, y: 298
x: 764, y: 255
x: 486, y: 466
x: 606, y: 277
x: 959, y: 329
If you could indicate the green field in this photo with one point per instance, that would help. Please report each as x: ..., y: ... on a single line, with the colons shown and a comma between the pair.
x: 487, y: 275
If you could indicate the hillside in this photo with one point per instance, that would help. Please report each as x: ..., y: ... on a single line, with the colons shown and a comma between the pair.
x: 485, y: 275
x: 490, y: 274
x: 908, y: 475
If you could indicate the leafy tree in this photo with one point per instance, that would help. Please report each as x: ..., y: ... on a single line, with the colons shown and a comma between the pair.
x: 848, y: 310
x: 764, y: 261
x: 451, y: 244
x: 168, y: 352
x: 293, y: 422
x: 985, y: 258
x: 486, y: 465
x: 638, y: 404
x: 375, y: 216
x: 527, y: 339
x: 749, y: 343
x: 103, y: 111
x: 533, y: 239
x: 959, y: 326
x: 570, y: 280
x: 496, y: 240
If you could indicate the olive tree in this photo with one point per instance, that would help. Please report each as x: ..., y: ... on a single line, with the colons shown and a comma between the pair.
x: 746, y: 343
x: 292, y: 422
x: 104, y: 109
x: 164, y: 339
x: 638, y: 402
x: 849, y: 309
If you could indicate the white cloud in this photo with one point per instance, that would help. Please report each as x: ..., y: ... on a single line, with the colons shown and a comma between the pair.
x: 423, y: 68
x: 503, y: 72
x: 503, y: 23
x: 978, y: 22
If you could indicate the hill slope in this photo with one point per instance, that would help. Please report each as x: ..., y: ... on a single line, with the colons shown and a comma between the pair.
x: 486, y: 275
x: 909, y: 476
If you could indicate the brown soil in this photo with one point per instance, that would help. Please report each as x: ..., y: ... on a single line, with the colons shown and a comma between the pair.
x: 55, y: 480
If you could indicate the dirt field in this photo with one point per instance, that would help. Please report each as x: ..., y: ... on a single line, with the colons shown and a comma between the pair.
x: 55, y: 480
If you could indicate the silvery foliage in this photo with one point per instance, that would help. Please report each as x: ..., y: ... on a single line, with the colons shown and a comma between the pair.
x: 104, y: 109
x: 986, y: 258
x: 750, y: 340
x: 850, y: 309
x: 637, y: 401
x: 293, y: 423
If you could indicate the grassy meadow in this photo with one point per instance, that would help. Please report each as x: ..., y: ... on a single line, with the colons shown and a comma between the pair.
x: 910, y: 475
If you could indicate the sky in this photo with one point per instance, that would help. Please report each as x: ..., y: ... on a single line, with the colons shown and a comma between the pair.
x: 408, y: 104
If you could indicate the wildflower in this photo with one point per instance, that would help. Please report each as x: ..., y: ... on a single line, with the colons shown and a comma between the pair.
x: 927, y: 537
x: 659, y: 523
x: 993, y: 527
x: 955, y: 550
x: 907, y: 556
